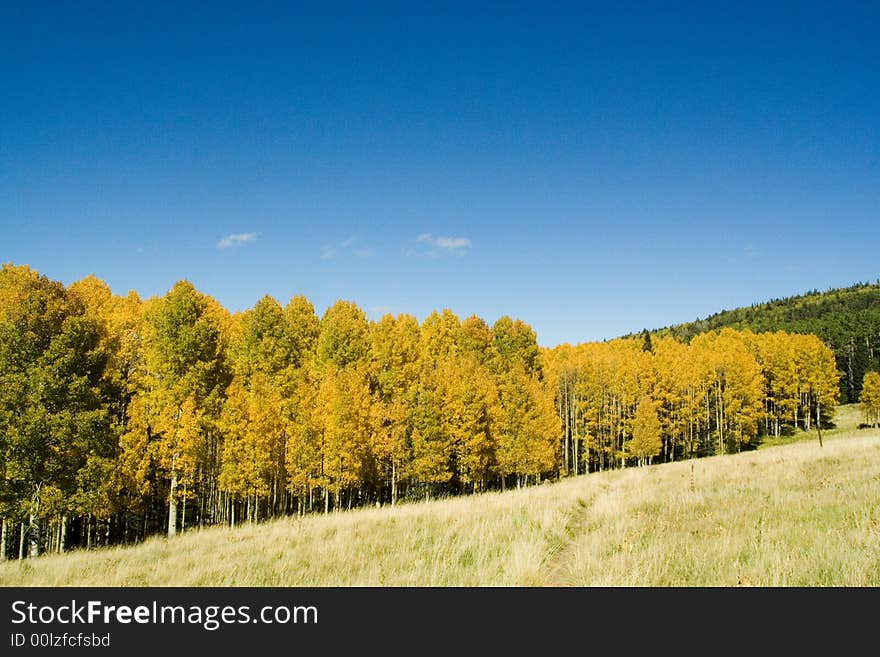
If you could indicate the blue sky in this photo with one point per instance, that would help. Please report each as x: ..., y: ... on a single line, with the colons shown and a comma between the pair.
x: 590, y: 168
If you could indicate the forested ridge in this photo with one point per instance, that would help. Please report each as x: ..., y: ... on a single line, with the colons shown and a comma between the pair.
x: 122, y: 417
x: 846, y: 319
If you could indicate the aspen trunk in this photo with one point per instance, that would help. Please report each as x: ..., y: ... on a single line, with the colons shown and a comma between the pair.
x: 3, y: 540
x: 172, y: 505
x: 34, y: 531
x: 393, y: 483
x: 21, y: 542
x: 567, y: 432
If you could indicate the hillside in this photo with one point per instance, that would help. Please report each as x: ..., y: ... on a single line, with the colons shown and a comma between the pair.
x: 793, y: 514
x: 846, y: 319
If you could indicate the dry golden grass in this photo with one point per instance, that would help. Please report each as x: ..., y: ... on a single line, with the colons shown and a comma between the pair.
x: 483, y: 540
x: 786, y: 515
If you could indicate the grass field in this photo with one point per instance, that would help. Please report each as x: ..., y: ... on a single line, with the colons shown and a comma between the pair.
x: 793, y: 514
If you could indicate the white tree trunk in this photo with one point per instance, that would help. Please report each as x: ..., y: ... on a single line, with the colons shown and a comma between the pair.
x: 393, y: 483
x: 172, y: 505
x: 34, y: 531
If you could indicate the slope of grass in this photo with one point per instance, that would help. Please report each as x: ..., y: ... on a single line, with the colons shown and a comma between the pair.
x: 785, y: 515
x: 797, y: 515
x: 847, y: 418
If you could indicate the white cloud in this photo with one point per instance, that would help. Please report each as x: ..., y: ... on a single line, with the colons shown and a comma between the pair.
x: 238, y: 239
x: 453, y: 243
x: 444, y: 245
x: 341, y: 248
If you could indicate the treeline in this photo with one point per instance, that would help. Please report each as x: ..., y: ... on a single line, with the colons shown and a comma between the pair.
x: 121, y: 418
x: 846, y: 319
x: 716, y: 395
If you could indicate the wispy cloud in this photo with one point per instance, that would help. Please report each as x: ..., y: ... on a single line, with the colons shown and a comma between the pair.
x: 333, y: 249
x: 238, y: 239
x: 441, y: 245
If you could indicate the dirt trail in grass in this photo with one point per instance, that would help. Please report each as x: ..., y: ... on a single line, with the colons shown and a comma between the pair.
x: 558, y: 565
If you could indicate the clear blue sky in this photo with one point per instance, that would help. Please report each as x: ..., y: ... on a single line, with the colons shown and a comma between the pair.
x: 590, y: 168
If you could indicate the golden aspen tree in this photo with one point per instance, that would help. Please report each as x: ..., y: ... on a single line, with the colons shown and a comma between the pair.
x: 302, y: 455
x: 344, y: 398
x: 590, y: 406
x: 476, y: 342
x: 53, y: 419
x: 186, y: 378
x: 254, y: 430
x: 776, y: 355
x: 395, y: 373
x: 870, y: 398
x: 516, y: 343
x: 135, y: 458
x: 735, y: 404
x: 303, y: 329
x: 434, y: 431
x: 344, y: 335
x: 819, y: 379
x: 477, y: 409
x: 262, y: 351
x: 646, y: 442
x: 434, y: 428
x: 562, y: 374
x: 342, y: 363
x: 101, y: 492
x: 696, y: 374
x: 528, y: 426
x: 671, y: 392
x: 303, y: 459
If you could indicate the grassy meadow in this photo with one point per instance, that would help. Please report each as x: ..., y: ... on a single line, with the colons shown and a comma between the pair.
x: 789, y: 514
